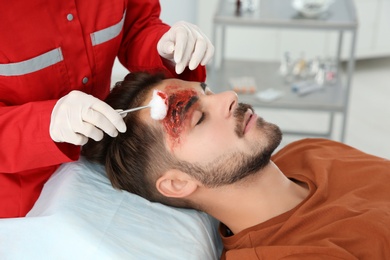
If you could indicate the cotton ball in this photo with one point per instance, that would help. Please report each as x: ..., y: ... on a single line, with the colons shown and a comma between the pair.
x: 158, y: 105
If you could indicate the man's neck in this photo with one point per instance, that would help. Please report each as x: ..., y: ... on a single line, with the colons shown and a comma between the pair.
x: 254, y: 200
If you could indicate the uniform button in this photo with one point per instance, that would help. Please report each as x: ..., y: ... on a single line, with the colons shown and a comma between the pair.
x: 85, y: 80
x: 69, y: 17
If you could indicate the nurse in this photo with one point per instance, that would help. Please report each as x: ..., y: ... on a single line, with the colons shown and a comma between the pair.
x: 56, y: 59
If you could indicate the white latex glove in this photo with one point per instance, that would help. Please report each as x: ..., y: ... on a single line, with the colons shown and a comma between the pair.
x: 79, y: 116
x: 185, y: 45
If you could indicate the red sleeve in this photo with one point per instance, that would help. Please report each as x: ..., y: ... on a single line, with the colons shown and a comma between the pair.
x: 142, y: 31
x: 25, y: 138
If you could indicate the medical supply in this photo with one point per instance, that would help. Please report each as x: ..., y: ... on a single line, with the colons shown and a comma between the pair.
x: 300, y: 68
x: 305, y: 87
x: 124, y: 112
x: 312, y: 8
x: 268, y: 95
x: 320, y: 76
x: 158, y: 106
x: 246, y: 6
x: 243, y: 85
x: 238, y: 7
x: 314, y: 66
x: 298, y: 73
x: 285, y: 64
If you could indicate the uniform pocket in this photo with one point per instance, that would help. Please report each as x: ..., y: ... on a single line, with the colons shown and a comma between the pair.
x: 108, y: 33
x: 39, y: 78
x: 31, y: 65
x: 106, y: 43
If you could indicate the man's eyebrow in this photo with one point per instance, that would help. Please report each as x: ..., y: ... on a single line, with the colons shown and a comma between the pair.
x: 190, y: 103
x: 192, y: 100
x: 203, y: 85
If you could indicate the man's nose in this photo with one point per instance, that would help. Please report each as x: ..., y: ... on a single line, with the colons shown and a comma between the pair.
x: 228, y: 101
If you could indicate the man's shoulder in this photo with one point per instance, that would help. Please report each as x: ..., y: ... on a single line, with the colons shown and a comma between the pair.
x: 316, y: 153
x: 322, y: 147
x: 312, y: 145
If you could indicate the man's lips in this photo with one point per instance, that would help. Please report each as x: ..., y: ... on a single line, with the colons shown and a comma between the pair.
x: 250, y: 120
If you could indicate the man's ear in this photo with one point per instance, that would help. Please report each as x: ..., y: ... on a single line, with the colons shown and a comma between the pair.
x: 176, y: 184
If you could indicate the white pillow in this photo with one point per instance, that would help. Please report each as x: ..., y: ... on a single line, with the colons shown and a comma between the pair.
x: 80, y: 216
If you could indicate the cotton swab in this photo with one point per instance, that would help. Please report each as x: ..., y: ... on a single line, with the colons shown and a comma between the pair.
x: 158, y: 106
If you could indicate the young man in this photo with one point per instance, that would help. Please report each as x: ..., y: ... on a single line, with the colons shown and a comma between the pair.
x: 316, y: 199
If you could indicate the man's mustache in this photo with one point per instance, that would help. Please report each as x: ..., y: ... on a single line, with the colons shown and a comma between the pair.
x: 239, y: 114
x: 241, y: 109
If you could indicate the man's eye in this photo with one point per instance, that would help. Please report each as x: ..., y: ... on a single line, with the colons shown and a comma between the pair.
x: 201, y: 119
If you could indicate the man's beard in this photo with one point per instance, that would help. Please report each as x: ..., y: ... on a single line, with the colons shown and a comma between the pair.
x: 232, y: 167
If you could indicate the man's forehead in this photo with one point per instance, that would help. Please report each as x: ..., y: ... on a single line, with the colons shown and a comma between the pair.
x: 173, y: 85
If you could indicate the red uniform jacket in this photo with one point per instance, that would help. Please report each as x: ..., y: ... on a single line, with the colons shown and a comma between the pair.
x: 49, y: 48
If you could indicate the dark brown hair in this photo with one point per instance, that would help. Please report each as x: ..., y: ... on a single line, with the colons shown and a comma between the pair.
x: 135, y: 159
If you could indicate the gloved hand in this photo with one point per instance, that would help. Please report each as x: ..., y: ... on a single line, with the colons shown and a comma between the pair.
x: 186, y: 45
x: 79, y: 116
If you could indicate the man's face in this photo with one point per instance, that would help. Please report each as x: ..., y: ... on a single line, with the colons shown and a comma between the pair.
x: 219, y: 140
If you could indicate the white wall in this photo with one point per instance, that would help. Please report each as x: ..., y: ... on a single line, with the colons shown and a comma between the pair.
x: 175, y: 10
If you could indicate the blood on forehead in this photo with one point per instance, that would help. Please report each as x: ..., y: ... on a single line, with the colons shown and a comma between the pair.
x: 179, y: 102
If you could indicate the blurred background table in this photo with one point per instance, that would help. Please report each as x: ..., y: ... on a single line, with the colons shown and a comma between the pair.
x: 341, y: 18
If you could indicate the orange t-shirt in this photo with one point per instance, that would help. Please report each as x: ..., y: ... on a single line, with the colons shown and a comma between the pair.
x: 345, y: 216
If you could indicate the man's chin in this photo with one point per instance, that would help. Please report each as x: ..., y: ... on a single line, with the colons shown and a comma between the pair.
x: 271, y: 136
